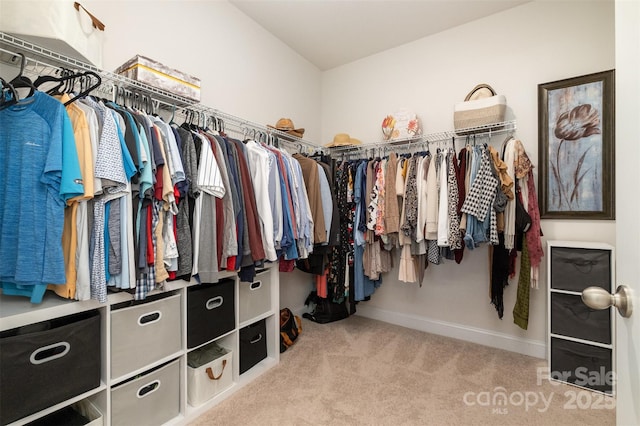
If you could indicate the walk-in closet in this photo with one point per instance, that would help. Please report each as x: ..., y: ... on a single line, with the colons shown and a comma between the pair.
x: 281, y: 212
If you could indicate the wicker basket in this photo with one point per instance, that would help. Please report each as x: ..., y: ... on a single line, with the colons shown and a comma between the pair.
x: 478, y: 109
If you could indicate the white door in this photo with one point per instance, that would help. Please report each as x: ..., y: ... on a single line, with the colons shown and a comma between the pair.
x: 628, y: 207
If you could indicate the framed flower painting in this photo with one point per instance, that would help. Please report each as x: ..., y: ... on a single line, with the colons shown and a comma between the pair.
x: 576, y: 143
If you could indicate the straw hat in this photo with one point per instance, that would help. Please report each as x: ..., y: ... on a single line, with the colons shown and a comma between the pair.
x: 343, y: 139
x: 481, y: 91
x: 286, y: 125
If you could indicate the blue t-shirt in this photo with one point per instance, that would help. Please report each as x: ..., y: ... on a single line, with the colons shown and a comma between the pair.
x: 39, y: 172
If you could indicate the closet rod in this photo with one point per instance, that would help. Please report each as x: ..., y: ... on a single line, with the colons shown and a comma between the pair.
x: 56, y: 60
x: 243, y: 123
x: 49, y: 69
x: 471, y: 132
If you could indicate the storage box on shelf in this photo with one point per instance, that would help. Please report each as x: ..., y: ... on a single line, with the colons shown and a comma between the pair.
x: 150, y: 399
x: 580, y: 345
x: 48, y: 362
x: 255, y: 297
x: 210, y: 311
x: 145, y: 333
x: 209, y: 372
x: 166, y: 314
x: 160, y: 76
x: 82, y: 413
x: 253, y: 345
x: 59, y: 25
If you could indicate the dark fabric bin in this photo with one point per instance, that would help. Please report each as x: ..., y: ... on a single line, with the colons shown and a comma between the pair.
x: 581, y: 364
x: 49, y: 362
x: 210, y: 311
x: 575, y: 269
x: 571, y: 317
x: 253, y: 345
x: 66, y: 416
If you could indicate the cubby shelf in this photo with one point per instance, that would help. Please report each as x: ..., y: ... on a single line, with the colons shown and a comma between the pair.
x: 19, y: 312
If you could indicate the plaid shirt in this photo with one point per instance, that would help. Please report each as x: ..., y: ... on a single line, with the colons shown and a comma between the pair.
x: 482, y: 191
x: 146, y: 280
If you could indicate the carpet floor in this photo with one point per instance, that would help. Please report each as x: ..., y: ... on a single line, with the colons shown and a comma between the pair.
x: 361, y: 371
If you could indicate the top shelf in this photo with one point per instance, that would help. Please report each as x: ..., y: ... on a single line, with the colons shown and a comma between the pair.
x: 478, y: 131
x: 50, y: 58
x: 41, y: 54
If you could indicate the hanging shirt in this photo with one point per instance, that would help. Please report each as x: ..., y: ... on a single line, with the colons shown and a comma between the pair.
x: 176, y: 169
x: 443, y: 205
x: 311, y: 182
x: 259, y: 169
x: 275, y: 198
x: 229, y: 241
x: 431, y: 227
x: 510, y: 210
x: 392, y: 215
x: 302, y: 208
x: 94, y: 133
x: 327, y: 203
x: 39, y: 166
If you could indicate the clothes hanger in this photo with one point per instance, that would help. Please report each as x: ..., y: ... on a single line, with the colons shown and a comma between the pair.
x: 8, y: 89
x: 22, y: 80
x: 66, y: 73
x: 173, y: 114
x: 192, y: 125
x: 67, y: 81
x: 88, y: 90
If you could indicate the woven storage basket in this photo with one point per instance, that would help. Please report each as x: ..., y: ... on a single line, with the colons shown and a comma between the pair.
x: 481, y: 107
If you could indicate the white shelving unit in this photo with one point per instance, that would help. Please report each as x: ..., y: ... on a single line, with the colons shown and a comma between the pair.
x: 18, y: 312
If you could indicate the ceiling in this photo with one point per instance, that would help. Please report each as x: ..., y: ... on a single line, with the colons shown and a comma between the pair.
x: 330, y: 33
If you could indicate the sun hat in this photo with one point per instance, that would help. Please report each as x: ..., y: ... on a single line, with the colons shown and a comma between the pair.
x: 481, y: 91
x: 286, y: 125
x: 343, y: 139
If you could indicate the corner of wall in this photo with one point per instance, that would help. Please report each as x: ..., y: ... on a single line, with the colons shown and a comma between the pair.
x: 480, y: 336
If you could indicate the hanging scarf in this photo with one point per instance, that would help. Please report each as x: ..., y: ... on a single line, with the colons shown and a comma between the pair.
x: 521, y: 308
x: 534, y: 242
x: 499, y: 274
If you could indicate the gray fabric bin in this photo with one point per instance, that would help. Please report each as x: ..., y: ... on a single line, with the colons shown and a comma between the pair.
x: 582, y: 365
x: 571, y: 317
x: 152, y: 399
x: 255, y: 297
x: 575, y: 269
x: 144, y: 333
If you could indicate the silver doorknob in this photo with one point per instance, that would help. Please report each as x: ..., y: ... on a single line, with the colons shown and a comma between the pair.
x: 599, y: 298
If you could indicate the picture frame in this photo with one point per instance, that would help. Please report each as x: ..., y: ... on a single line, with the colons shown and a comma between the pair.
x: 576, y: 147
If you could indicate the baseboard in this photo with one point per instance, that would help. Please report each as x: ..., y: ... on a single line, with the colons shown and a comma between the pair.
x: 300, y: 310
x: 480, y: 336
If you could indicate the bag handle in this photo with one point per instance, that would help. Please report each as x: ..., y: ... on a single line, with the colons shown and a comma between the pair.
x: 213, y: 376
x: 478, y: 87
x: 95, y: 21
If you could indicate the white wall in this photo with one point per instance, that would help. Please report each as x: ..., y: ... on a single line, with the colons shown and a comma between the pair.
x: 514, y: 51
x: 244, y: 70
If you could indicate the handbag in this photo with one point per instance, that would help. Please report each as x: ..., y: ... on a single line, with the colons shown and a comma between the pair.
x: 481, y: 107
x: 325, y: 309
x: 290, y: 328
